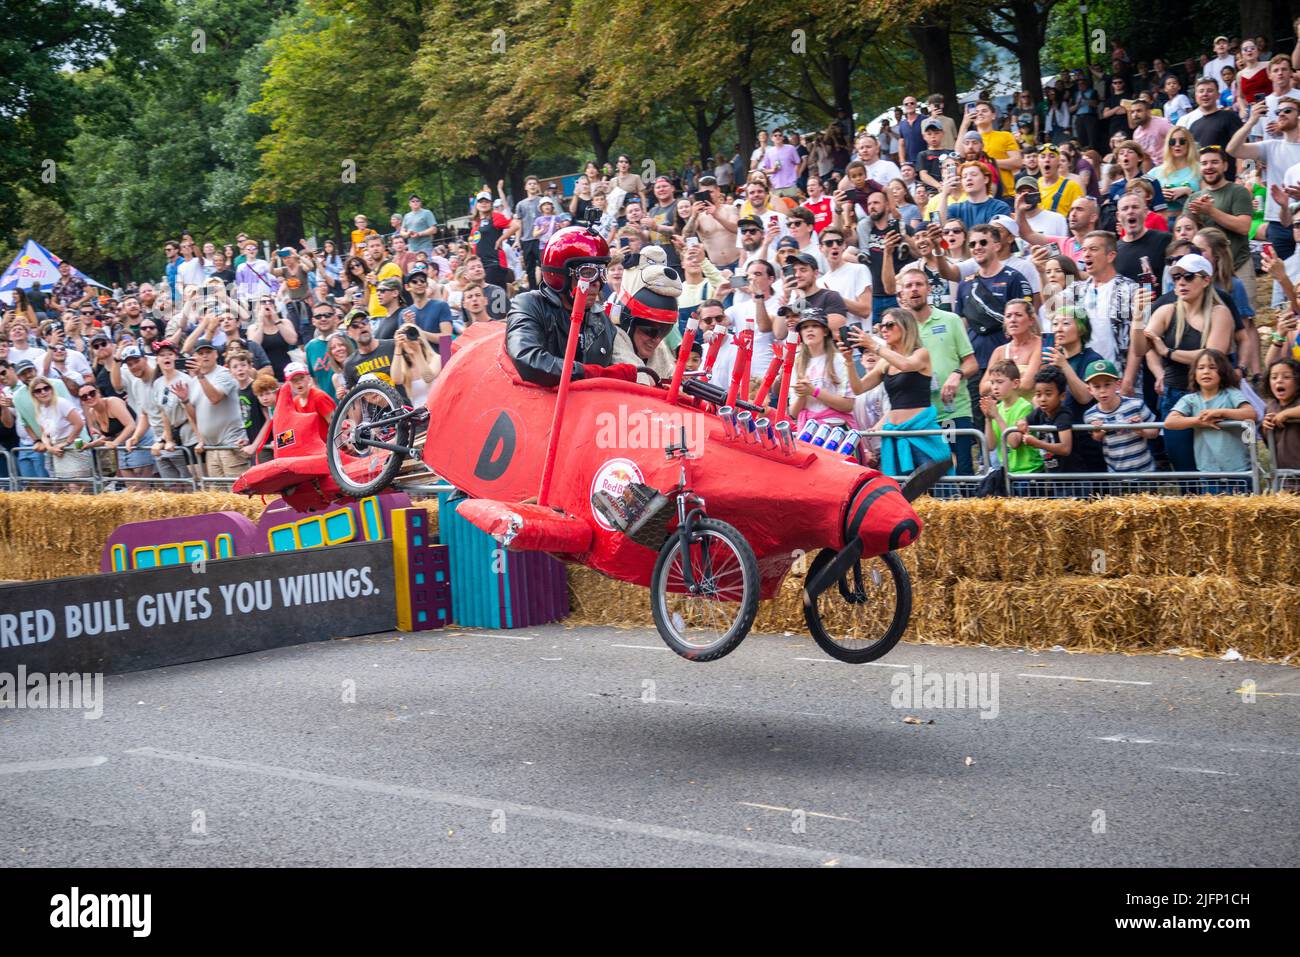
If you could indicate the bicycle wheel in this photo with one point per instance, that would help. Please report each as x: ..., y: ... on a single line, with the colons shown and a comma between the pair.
x: 864, y: 614
x: 372, y: 410
x: 711, y: 622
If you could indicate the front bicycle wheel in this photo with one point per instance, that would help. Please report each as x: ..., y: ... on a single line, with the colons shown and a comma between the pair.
x: 864, y: 614
x: 706, y: 621
x: 371, y: 412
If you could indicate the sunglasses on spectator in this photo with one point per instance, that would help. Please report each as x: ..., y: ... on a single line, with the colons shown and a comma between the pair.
x: 42, y: 390
x: 1285, y: 109
x: 750, y: 229
x: 1178, y: 275
x: 358, y: 322
x: 832, y: 242
x: 887, y: 324
x: 88, y: 395
x: 323, y: 315
x: 977, y: 243
x: 952, y: 230
x: 1049, y: 149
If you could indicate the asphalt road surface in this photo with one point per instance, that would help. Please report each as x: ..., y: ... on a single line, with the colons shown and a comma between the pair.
x: 595, y: 746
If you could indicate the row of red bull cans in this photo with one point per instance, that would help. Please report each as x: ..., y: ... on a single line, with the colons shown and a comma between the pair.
x: 832, y: 438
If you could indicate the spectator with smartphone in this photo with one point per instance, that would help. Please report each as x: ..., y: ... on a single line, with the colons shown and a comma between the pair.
x: 415, y: 363
x: 218, y: 419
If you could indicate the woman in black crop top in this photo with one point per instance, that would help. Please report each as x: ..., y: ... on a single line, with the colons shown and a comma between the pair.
x: 902, y: 364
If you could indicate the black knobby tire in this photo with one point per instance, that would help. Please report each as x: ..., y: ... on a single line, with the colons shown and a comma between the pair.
x: 375, y: 400
x: 732, y: 563
x: 850, y: 594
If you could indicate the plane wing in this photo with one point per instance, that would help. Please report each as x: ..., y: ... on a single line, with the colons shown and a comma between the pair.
x: 525, y: 528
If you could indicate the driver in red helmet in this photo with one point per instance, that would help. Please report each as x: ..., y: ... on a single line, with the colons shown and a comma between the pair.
x: 537, y: 327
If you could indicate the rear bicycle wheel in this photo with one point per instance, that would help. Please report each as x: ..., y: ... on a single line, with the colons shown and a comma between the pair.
x: 863, y: 615
x: 713, y: 620
x: 371, y: 411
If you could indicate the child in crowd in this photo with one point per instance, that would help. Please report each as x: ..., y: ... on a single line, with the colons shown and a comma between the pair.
x: 1003, y: 409
x: 1282, y: 413
x: 1126, y: 450
x: 1215, y: 400
x: 1057, y: 451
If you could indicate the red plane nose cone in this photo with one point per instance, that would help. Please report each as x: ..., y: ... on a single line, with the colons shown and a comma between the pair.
x: 881, y: 517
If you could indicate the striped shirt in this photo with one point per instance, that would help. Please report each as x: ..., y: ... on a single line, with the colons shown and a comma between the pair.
x: 1125, y: 451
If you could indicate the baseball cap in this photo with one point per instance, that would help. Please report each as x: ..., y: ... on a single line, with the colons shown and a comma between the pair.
x: 1027, y: 181
x: 1007, y: 223
x: 931, y: 125
x: 806, y: 259
x: 24, y: 366
x: 749, y: 221
x: 418, y: 271
x: 1194, y: 262
x: 787, y: 242
x: 390, y: 283
x: 818, y: 318
x: 295, y: 368
x: 163, y: 344
x: 483, y: 194
x: 355, y: 315
x: 1127, y: 103
x: 1220, y: 39
x: 973, y: 135
x: 204, y: 344
x: 130, y: 352
x: 100, y: 337
x: 1101, y: 367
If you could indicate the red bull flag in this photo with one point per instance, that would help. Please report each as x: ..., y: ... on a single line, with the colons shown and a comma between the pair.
x: 35, y: 264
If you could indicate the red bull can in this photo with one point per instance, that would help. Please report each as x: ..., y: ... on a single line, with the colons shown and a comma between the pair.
x: 745, y: 426
x: 833, y: 440
x: 823, y: 433
x: 808, y: 431
x: 783, y: 439
x: 849, y: 447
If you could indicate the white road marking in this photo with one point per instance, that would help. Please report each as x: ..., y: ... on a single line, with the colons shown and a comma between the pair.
x: 55, y: 764
x: 696, y: 704
x: 773, y: 807
x: 873, y: 664
x: 1267, y: 694
x: 1128, y: 739
x: 1229, y: 774
x: 644, y: 647
x: 487, y: 805
x: 1125, y: 739
x: 1106, y: 681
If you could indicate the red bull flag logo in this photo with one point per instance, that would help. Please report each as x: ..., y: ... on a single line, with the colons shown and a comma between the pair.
x: 34, y: 264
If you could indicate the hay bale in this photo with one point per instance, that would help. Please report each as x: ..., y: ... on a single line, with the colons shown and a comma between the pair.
x: 1091, y: 614
x: 52, y: 534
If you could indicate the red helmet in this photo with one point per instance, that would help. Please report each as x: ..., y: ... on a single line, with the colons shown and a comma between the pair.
x: 570, y: 247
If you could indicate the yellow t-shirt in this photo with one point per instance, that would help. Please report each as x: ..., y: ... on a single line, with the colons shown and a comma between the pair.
x: 1062, y: 203
x: 389, y: 268
x: 1000, y: 144
x: 359, y: 237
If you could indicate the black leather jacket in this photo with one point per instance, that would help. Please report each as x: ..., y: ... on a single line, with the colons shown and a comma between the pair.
x: 537, y: 331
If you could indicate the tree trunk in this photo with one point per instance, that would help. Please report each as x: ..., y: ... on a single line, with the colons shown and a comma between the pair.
x: 840, y: 76
x: 934, y: 42
x: 1256, y: 18
x: 600, y: 144
x: 742, y: 99
x: 334, y: 225
x: 288, y: 225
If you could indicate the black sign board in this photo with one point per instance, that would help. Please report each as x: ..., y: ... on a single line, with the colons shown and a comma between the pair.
x: 150, y: 618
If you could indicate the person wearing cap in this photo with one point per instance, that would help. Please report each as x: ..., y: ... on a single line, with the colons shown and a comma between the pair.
x: 1058, y: 192
x: 488, y: 233
x: 373, y: 356
x: 1040, y: 220
x: 389, y: 292
x: 1177, y: 331
x: 929, y: 161
x: 821, y: 389
x: 418, y: 225
x: 547, y: 220
x: 101, y: 362
x: 432, y: 316
x: 218, y: 418
x: 1124, y: 450
x: 816, y: 301
x: 785, y: 248
x: 645, y: 314
x: 1001, y: 146
x: 309, y: 399
x: 1222, y: 57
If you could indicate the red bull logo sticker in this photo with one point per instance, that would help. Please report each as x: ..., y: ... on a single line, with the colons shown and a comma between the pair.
x: 284, y: 439
x: 613, y: 477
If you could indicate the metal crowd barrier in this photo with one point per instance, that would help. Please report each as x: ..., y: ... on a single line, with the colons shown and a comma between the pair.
x: 1095, y: 484
x: 1283, y: 480
x: 11, y: 469
x: 950, y: 486
x: 216, y: 482
x: 190, y: 483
